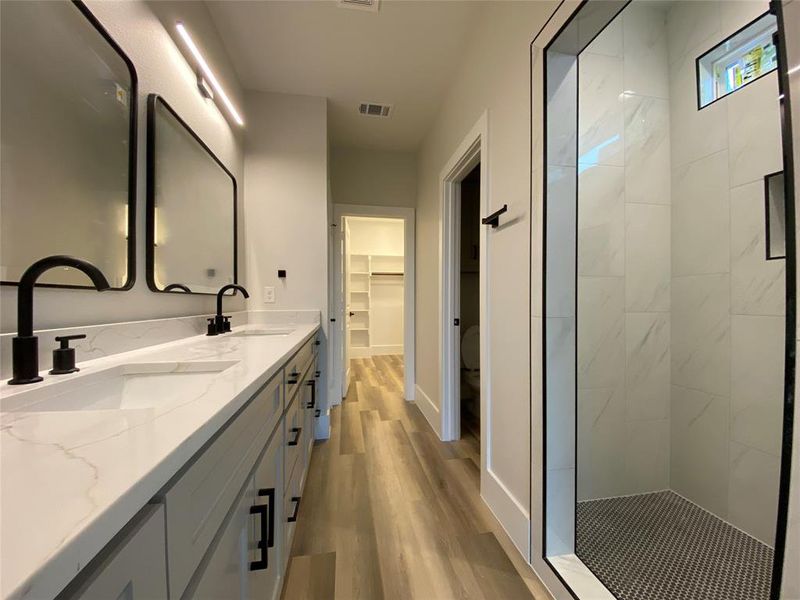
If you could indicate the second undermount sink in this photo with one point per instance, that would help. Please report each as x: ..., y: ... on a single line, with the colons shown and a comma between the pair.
x: 132, y: 386
x: 273, y: 331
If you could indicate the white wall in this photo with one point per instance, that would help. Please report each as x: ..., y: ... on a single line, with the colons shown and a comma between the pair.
x: 493, y: 77
x: 286, y: 201
x: 373, y: 177
x: 376, y: 236
x: 161, y: 68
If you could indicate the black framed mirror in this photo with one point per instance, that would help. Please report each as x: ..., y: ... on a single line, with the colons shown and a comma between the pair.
x: 68, y: 165
x: 191, y: 208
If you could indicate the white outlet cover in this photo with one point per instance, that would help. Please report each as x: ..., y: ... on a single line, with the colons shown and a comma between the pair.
x: 269, y: 295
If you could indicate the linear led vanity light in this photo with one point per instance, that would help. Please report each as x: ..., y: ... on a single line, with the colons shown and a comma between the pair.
x: 207, y: 72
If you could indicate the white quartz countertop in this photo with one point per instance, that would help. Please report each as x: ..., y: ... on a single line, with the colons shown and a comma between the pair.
x: 70, y: 480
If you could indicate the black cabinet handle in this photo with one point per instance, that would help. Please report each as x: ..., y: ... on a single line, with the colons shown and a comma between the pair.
x: 294, y: 377
x: 313, y: 402
x: 296, y: 500
x: 263, y: 562
x: 266, y: 513
x: 296, y: 440
x: 317, y: 373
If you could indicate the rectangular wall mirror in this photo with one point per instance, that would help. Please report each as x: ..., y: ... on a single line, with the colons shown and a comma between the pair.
x: 68, y: 162
x: 191, y: 208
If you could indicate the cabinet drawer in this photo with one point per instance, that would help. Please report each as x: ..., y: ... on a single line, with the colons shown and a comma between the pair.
x: 221, y: 573
x: 296, y: 366
x: 132, y: 566
x: 294, y: 425
x: 292, y: 509
x: 199, y: 499
x: 264, y: 576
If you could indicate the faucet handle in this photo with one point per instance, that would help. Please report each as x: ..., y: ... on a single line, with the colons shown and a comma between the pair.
x: 64, y: 356
x: 226, y: 325
x: 212, y: 326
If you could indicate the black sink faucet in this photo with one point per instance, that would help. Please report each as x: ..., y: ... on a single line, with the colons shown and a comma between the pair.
x: 219, y: 320
x: 25, y: 345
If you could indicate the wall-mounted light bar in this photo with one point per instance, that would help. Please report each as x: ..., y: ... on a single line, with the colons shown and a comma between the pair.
x: 201, y: 62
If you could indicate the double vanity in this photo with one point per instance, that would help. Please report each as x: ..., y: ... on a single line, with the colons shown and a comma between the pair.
x: 172, y: 471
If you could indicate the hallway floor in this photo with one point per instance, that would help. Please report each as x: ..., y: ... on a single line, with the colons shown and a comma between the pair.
x: 389, y: 511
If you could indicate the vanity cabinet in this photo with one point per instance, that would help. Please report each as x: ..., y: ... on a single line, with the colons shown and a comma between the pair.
x: 223, y: 526
x: 133, y: 566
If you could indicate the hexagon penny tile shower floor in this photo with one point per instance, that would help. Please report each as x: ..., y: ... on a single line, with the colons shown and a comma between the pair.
x: 660, y: 546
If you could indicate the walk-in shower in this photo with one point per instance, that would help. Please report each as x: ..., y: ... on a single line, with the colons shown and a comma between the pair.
x: 665, y: 302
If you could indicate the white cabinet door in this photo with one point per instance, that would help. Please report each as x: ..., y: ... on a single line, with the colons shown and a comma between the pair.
x: 133, y: 567
x: 223, y: 573
x: 266, y: 532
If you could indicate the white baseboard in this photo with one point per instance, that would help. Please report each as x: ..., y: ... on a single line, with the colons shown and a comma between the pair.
x: 429, y: 410
x: 368, y: 351
x: 514, y: 518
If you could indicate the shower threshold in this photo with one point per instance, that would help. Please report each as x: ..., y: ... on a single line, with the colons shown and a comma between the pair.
x: 660, y: 546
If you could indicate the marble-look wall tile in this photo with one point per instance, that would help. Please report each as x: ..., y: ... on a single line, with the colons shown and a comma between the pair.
x: 560, y: 518
x: 645, y: 42
x: 758, y: 286
x: 601, y: 332
x: 701, y: 333
x: 755, y: 131
x: 757, y: 361
x: 600, y: 114
x: 647, y: 371
x: 560, y: 390
x: 647, y: 150
x: 701, y: 217
x: 601, y: 221
x: 562, y: 88
x: 560, y: 256
x: 691, y: 25
x: 699, y: 448
x: 733, y: 15
x: 753, y: 498
x: 647, y: 455
x: 647, y: 258
x: 601, y: 468
x: 609, y: 41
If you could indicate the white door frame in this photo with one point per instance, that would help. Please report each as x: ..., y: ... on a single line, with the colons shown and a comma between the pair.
x: 392, y: 212
x: 470, y: 152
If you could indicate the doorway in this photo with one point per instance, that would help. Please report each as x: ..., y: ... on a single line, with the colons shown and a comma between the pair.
x: 469, y: 388
x: 372, y: 289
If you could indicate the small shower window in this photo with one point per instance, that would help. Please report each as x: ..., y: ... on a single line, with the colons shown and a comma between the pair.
x: 738, y: 60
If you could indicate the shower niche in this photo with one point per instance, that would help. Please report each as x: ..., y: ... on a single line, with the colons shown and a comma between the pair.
x: 665, y: 309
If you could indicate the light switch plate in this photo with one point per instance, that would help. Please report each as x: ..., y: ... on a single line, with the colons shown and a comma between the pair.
x: 269, y: 295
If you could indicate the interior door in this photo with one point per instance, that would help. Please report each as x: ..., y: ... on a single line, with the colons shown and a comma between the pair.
x: 346, y: 304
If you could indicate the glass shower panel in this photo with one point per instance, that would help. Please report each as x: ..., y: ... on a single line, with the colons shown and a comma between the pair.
x: 680, y: 311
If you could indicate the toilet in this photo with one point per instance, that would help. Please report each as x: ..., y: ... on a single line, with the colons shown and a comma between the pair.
x: 471, y: 362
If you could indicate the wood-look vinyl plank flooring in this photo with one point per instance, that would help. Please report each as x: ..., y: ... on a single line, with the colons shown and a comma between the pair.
x: 390, y: 512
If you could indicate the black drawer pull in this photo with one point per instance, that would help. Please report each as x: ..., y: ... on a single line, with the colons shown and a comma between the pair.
x: 317, y: 413
x: 266, y: 513
x: 296, y: 500
x: 296, y: 440
x: 294, y: 377
x: 263, y: 562
x: 313, y: 402
x: 317, y: 373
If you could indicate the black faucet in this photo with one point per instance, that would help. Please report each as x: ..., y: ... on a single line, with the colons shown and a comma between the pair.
x: 221, y: 323
x: 25, y: 345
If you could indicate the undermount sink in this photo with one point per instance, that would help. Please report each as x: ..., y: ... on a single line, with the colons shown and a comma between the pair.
x: 133, y: 386
x: 277, y: 331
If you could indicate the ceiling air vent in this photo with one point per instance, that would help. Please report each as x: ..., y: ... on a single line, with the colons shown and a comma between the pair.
x: 370, y: 109
x: 371, y: 5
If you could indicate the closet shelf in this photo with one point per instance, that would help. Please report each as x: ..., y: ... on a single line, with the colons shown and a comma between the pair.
x: 386, y: 274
